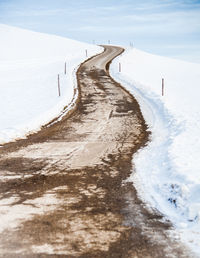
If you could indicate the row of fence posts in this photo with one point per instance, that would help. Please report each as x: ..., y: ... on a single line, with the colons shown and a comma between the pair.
x: 65, y: 72
x: 120, y: 69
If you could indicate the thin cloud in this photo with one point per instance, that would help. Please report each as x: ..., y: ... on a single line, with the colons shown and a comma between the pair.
x: 33, y: 13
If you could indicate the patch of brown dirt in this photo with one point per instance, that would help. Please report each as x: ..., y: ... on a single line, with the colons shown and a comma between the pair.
x: 72, y: 194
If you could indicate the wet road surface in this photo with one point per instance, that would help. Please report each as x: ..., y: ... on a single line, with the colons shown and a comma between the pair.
x: 63, y: 191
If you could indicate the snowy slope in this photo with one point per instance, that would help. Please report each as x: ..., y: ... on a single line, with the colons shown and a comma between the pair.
x: 29, y: 65
x: 168, y: 169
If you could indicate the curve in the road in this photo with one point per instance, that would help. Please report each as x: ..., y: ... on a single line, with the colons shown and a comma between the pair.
x: 62, y: 190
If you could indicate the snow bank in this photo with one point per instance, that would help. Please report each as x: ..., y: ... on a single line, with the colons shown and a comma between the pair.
x: 168, y: 169
x: 29, y: 65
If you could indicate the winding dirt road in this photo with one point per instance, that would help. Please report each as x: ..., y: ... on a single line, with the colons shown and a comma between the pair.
x: 62, y: 190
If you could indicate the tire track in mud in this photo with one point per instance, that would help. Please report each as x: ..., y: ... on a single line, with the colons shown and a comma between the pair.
x: 63, y: 191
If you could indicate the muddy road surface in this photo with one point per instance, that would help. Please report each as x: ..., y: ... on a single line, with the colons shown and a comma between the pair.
x: 63, y: 190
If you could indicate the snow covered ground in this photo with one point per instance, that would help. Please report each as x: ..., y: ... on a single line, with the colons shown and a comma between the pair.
x: 168, y: 169
x: 29, y: 65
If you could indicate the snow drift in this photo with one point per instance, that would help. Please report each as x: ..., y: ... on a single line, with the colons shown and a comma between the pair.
x: 168, y: 169
x: 29, y: 65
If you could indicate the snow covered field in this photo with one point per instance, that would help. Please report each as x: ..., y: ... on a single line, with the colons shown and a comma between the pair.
x: 29, y: 65
x: 168, y: 169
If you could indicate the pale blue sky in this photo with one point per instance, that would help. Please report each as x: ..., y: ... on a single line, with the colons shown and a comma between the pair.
x: 165, y: 27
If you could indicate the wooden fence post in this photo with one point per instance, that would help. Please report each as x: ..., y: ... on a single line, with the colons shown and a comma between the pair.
x: 120, y: 67
x: 163, y: 86
x: 86, y: 53
x: 58, y: 85
x: 65, y: 67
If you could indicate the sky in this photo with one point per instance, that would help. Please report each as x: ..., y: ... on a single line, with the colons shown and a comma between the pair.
x: 165, y: 27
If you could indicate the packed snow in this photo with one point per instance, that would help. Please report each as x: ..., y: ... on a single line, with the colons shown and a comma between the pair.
x: 167, y: 170
x: 29, y: 66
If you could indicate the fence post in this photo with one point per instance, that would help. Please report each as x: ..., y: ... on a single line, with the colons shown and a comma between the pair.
x: 163, y: 86
x: 86, y: 53
x: 58, y: 85
x: 120, y: 67
x: 65, y: 67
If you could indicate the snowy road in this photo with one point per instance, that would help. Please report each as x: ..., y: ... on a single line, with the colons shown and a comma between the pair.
x: 62, y: 190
